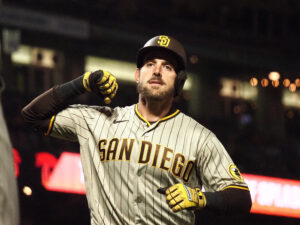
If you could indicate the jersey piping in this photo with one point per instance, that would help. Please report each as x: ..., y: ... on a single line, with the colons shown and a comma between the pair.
x: 237, y: 187
x: 50, y: 126
x: 160, y: 120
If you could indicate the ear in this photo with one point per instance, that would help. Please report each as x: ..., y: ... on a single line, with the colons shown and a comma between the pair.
x: 137, y: 75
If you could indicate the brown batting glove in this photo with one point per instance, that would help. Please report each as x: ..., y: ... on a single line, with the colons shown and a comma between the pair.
x: 102, y: 83
x: 180, y: 196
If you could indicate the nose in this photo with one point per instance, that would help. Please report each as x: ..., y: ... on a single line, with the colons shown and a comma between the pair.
x: 157, y: 70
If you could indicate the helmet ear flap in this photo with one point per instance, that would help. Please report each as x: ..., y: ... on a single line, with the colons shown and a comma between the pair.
x: 179, y: 82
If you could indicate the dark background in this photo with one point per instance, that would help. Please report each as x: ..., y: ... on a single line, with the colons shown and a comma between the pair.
x: 233, y: 39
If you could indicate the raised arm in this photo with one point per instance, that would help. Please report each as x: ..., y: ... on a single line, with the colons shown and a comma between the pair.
x: 40, y: 111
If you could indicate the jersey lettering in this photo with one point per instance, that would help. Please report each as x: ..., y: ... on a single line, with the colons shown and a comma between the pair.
x: 166, y: 160
x: 178, y: 164
x: 146, y: 146
x: 125, y: 149
x: 156, y: 155
x: 188, y: 170
x: 112, y: 149
x: 101, y: 146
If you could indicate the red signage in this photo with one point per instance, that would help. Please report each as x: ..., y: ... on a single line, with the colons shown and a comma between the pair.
x: 17, y: 161
x: 274, y: 196
x: 66, y: 176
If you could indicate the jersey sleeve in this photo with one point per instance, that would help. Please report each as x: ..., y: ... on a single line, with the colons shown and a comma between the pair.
x: 217, y: 170
x: 77, y: 122
x: 63, y: 126
x: 72, y: 123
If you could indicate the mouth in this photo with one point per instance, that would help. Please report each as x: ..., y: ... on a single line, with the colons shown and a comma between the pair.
x: 158, y: 82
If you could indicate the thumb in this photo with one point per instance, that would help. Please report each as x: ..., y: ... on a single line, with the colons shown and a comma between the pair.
x: 162, y: 190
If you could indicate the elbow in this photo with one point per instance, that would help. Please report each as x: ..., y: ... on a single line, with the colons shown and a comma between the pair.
x: 32, y: 119
x: 25, y: 116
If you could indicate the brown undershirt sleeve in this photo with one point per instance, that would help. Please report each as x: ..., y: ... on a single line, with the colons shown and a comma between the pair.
x: 40, y: 112
x: 229, y: 201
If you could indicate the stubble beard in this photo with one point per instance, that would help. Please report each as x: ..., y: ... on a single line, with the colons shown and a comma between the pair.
x: 154, y: 94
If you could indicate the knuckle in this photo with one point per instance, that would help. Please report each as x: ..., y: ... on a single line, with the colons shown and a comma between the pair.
x: 103, y: 80
x: 112, y: 95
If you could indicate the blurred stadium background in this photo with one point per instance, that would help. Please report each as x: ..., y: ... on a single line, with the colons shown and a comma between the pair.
x: 244, y: 80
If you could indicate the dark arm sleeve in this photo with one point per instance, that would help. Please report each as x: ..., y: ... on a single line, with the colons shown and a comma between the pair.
x: 40, y: 112
x: 229, y: 201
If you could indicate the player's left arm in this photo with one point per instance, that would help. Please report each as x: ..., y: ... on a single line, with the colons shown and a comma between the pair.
x: 229, y: 201
x: 227, y: 191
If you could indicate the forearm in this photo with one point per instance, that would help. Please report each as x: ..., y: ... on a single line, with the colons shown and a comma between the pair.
x: 38, y: 112
x: 229, y: 201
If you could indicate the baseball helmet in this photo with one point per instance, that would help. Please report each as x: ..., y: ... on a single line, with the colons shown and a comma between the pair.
x: 172, y: 46
x: 163, y: 42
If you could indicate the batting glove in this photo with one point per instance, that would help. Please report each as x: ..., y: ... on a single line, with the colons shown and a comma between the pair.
x: 180, y: 196
x: 101, y: 82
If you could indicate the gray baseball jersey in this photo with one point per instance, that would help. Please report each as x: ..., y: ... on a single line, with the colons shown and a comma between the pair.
x: 126, y: 159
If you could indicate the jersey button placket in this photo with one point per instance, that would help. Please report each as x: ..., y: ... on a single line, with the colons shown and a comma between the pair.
x: 136, y: 196
x: 148, y: 130
x: 137, y: 216
x: 139, y: 200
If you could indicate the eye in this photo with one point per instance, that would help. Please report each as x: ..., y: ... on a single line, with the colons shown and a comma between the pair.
x: 149, y: 64
x: 168, y: 67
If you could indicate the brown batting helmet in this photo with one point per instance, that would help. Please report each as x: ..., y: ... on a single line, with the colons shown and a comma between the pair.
x: 163, y: 42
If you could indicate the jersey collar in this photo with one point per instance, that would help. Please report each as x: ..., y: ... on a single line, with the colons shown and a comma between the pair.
x: 171, y: 114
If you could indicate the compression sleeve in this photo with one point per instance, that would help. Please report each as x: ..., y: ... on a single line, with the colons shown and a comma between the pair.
x: 40, y: 112
x: 229, y: 201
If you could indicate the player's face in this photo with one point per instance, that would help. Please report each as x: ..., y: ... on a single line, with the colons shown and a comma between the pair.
x: 156, y: 78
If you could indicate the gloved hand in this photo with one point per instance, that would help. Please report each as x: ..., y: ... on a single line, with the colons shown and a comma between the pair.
x: 180, y: 196
x: 101, y: 82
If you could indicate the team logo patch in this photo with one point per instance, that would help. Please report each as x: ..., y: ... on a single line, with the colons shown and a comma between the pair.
x: 163, y: 41
x: 235, y: 173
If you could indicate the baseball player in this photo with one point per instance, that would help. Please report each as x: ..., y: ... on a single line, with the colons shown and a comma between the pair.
x: 146, y: 163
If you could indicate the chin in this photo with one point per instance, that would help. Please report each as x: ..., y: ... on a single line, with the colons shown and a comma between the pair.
x: 155, y: 94
x: 158, y: 96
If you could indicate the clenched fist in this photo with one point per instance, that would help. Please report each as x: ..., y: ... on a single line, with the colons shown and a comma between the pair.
x: 101, y: 82
x: 180, y: 196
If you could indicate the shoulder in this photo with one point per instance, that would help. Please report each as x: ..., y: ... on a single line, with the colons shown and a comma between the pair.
x: 200, y: 131
x: 194, y: 124
x: 91, y: 110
